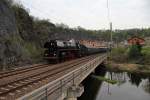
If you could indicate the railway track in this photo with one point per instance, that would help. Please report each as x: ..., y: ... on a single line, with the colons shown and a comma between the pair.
x: 22, y: 70
x: 17, y: 83
x: 15, y: 75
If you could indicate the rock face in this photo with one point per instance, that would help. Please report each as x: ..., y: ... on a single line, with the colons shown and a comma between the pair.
x: 9, y: 48
x: 24, y: 23
x: 7, y: 20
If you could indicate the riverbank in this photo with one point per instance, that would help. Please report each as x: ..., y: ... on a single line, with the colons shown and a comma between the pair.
x: 128, y: 67
x: 129, y: 59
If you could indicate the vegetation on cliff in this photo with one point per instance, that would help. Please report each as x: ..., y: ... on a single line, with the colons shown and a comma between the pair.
x: 23, y: 35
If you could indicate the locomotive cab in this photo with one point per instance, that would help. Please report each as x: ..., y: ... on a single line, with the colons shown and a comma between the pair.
x: 50, y: 49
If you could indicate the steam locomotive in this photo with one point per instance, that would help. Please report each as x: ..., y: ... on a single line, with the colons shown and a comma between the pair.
x: 59, y: 50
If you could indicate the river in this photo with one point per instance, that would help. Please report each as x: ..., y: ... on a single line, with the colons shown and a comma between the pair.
x: 130, y: 86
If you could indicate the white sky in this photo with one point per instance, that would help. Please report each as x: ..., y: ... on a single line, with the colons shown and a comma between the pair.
x: 92, y: 14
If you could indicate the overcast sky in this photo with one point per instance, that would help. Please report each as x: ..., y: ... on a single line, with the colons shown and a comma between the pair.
x: 92, y: 14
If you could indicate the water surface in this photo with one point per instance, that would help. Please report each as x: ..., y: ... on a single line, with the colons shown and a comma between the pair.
x: 129, y: 87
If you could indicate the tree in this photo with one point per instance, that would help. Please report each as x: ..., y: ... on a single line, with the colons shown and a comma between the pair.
x: 135, y: 51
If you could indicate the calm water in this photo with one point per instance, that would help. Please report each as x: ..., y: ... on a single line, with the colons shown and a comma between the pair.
x: 129, y: 87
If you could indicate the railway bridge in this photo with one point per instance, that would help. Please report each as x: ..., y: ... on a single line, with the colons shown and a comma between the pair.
x: 49, y: 82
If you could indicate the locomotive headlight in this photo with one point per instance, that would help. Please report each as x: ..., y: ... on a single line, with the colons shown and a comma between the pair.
x: 54, y: 54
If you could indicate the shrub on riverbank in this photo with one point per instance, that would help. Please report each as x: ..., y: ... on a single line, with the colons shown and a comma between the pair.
x: 119, y: 54
x: 146, y: 55
x: 135, y: 52
x: 131, y: 55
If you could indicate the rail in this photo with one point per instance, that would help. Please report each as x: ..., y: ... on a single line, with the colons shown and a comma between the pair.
x: 58, y: 87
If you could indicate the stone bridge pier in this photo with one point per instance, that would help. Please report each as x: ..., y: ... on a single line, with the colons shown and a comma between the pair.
x: 74, y: 92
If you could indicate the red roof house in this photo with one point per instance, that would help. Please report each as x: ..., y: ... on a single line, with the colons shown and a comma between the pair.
x: 136, y: 40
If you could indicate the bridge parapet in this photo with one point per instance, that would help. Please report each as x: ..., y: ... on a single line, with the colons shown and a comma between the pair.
x: 58, y: 89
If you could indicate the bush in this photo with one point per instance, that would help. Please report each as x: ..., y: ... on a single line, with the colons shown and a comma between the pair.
x: 135, y: 52
x: 146, y: 55
x: 119, y: 54
x: 33, y: 52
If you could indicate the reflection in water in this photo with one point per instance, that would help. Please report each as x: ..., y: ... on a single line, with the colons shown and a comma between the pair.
x: 130, y: 86
x: 92, y: 86
x: 120, y: 77
x: 90, y: 90
x: 147, y: 86
x: 135, y: 79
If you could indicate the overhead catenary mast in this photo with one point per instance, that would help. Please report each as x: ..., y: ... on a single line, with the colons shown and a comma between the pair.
x: 110, y: 23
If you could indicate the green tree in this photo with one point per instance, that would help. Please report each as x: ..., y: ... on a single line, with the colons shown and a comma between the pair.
x: 135, y: 51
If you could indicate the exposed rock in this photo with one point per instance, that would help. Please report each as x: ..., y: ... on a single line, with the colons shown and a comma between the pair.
x: 24, y: 23
x: 9, y: 46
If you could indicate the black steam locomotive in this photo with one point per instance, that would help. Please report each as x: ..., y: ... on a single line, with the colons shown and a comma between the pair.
x: 59, y: 50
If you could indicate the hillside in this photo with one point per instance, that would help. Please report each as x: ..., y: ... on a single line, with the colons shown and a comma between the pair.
x: 22, y: 36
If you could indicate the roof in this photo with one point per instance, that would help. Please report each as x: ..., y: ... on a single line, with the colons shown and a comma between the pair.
x: 135, y: 37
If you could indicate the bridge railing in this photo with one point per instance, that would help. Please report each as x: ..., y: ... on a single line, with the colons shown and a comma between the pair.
x: 58, y: 88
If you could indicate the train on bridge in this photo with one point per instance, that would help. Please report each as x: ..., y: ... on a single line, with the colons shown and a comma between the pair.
x: 60, y: 50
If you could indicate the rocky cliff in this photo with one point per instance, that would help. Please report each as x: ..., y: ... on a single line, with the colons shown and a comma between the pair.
x: 10, y: 47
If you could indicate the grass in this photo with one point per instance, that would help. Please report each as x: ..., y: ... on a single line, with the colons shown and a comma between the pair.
x: 128, y: 67
x: 105, y: 79
x: 146, y: 50
x: 119, y: 54
x: 146, y: 55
